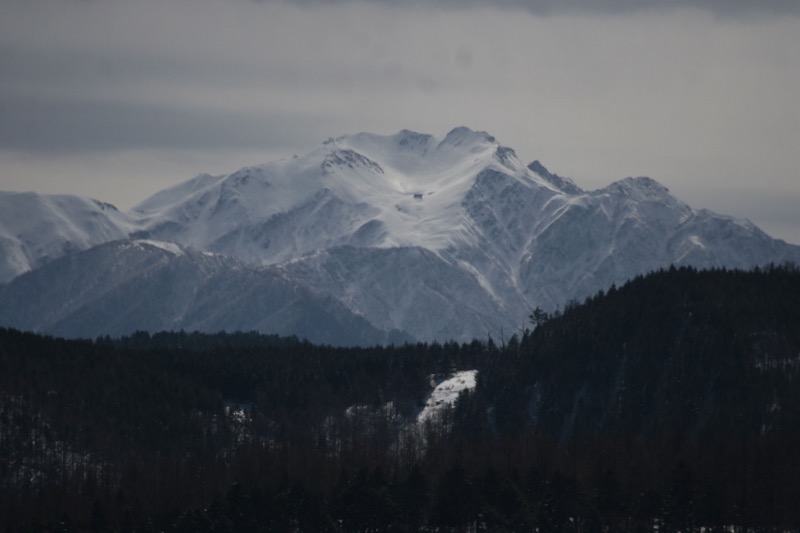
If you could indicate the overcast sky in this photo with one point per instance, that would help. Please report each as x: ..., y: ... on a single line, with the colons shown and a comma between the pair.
x: 118, y: 99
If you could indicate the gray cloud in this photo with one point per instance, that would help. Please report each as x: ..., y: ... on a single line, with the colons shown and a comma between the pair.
x: 86, y: 126
x: 722, y: 8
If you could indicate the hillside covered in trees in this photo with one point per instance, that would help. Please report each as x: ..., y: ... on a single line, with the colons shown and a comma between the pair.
x: 671, y: 402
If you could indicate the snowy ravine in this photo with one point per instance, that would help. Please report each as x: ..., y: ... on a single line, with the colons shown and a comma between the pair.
x: 446, y: 393
x: 366, y: 238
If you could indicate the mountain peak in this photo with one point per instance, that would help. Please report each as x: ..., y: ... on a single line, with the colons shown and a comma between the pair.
x: 463, y: 135
x: 412, y: 139
x: 640, y: 188
x: 408, y: 145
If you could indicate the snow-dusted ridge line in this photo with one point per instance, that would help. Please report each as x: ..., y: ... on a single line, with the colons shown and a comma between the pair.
x: 169, y: 247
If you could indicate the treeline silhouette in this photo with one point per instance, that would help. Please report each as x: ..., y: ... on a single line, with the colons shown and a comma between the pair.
x: 672, y: 402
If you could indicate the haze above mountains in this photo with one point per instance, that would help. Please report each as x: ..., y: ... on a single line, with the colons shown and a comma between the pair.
x: 365, y: 239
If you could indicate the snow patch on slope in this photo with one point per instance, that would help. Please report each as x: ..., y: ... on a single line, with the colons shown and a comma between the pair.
x: 446, y: 393
x: 168, y: 247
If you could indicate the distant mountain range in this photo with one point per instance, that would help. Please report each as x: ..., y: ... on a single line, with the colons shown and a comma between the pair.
x: 366, y: 239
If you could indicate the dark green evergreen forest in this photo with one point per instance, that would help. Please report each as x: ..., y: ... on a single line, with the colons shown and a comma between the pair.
x: 671, y: 403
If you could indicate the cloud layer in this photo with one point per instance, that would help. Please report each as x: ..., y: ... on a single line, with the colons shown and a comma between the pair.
x: 723, y: 8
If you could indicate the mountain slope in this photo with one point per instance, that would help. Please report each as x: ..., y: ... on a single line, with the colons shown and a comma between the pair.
x: 409, y: 289
x: 596, y: 239
x: 125, y: 286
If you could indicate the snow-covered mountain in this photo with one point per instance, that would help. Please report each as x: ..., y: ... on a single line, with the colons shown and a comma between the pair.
x: 360, y: 190
x: 413, y: 235
x: 37, y: 228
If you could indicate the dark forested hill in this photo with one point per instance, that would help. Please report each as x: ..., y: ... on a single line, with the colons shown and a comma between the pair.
x: 711, y: 353
x: 678, y: 393
x: 672, y: 401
